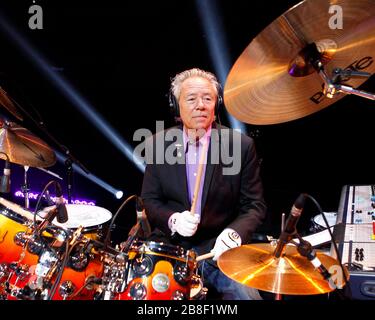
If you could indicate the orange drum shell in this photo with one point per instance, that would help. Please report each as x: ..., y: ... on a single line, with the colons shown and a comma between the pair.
x: 78, y: 278
x: 9, y: 250
x: 164, y: 267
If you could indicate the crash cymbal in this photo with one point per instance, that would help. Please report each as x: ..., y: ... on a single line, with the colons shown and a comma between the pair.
x: 7, y: 103
x: 274, y: 81
x: 24, y: 148
x: 255, y: 266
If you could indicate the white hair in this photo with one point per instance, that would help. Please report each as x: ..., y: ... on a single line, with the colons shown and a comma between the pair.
x: 195, y: 72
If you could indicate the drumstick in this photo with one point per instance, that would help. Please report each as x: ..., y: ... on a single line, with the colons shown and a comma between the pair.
x: 205, y: 256
x: 198, y: 180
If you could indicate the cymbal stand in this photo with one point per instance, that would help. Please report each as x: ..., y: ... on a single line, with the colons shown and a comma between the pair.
x: 69, y: 169
x: 332, y: 85
x: 26, y: 188
x: 279, y: 296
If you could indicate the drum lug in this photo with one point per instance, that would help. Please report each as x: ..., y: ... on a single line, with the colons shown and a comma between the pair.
x: 178, y: 295
x: 137, y: 291
x: 20, y: 238
x: 4, y: 271
x: 66, y: 289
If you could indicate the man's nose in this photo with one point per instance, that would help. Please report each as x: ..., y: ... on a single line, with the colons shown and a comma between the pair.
x: 200, y: 104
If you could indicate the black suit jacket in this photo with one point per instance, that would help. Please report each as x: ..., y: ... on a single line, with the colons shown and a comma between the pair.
x: 228, y: 201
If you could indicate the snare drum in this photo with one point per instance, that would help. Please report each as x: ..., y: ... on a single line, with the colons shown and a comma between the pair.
x: 158, y: 271
x: 14, y: 220
x: 318, y: 223
x: 93, y: 219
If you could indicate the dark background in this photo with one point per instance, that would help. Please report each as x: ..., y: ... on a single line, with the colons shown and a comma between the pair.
x: 120, y: 55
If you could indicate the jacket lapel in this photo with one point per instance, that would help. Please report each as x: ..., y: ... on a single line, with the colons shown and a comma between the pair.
x: 212, y: 162
x: 180, y: 168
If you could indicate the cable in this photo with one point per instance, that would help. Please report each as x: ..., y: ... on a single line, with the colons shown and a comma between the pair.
x: 39, y: 200
x: 60, y: 272
x: 332, y: 239
x: 106, y: 241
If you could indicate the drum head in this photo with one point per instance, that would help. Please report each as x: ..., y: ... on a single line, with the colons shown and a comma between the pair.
x: 83, y: 215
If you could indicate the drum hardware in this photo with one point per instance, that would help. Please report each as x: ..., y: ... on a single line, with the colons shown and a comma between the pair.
x: 197, y: 290
x: 66, y: 289
x: 117, y: 272
x: 114, y: 278
x: 37, y: 267
x: 158, y: 271
x: 25, y: 188
x: 4, y: 271
x: 58, y: 268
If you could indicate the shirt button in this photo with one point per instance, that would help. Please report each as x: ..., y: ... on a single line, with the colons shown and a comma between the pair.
x: 195, y: 174
x: 195, y: 154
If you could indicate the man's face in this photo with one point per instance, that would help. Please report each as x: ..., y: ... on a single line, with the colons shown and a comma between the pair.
x: 197, y: 103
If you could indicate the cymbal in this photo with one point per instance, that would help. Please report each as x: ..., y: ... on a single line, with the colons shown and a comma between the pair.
x: 255, y: 266
x: 7, y: 103
x: 23, y: 147
x: 274, y: 81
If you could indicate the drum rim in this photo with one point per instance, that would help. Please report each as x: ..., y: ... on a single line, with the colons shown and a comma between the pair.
x: 13, y: 215
x: 159, y: 248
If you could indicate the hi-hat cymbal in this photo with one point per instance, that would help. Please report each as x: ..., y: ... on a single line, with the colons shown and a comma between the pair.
x: 7, y: 103
x: 23, y: 147
x: 273, y: 80
x: 255, y: 266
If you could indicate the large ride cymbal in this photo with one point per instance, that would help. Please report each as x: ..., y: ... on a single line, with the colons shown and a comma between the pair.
x: 255, y: 266
x: 24, y: 148
x: 273, y: 80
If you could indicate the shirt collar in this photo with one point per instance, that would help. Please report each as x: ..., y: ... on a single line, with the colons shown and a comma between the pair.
x: 204, y: 138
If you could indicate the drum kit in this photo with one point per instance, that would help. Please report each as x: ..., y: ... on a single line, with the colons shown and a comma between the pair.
x: 43, y: 259
x: 66, y: 261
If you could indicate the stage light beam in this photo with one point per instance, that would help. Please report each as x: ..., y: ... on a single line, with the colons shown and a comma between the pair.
x: 217, y: 47
x: 70, y: 93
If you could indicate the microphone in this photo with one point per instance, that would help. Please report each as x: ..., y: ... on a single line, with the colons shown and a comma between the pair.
x: 305, y: 249
x: 290, y: 225
x: 142, y: 217
x: 62, y: 213
x: 5, y: 179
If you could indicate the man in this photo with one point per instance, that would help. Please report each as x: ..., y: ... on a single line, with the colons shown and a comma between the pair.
x: 229, y: 198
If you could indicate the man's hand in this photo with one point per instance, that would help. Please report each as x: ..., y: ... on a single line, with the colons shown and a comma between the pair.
x: 184, y: 223
x: 228, y: 239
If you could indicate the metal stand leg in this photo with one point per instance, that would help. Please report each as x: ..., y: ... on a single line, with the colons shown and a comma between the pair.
x: 26, y: 188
